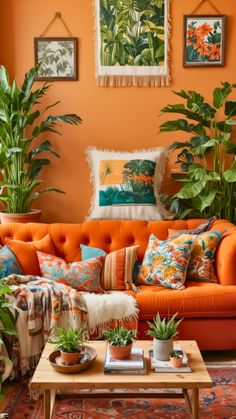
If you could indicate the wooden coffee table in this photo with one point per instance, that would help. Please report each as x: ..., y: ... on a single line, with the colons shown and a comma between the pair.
x: 47, y: 379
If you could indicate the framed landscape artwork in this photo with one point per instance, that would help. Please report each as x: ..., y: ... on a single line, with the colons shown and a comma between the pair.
x: 57, y: 58
x: 204, y: 40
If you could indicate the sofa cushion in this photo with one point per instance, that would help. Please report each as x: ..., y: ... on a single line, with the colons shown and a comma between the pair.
x: 126, y: 184
x: 8, y: 263
x: 118, y: 272
x: 201, y: 263
x: 26, y: 255
x: 83, y: 276
x: 165, y: 263
x: 199, y: 299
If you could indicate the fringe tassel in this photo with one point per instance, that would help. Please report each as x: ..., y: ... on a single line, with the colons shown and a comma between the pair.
x: 99, y: 330
x: 136, y: 81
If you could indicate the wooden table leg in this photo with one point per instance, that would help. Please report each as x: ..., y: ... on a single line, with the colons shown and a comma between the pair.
x: 49, y: 397
x: 195, y: 404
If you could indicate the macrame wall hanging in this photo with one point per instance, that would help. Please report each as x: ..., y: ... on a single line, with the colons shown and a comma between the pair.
x: 57, y: 56
x: 132, y: 43
x: 204, y: 38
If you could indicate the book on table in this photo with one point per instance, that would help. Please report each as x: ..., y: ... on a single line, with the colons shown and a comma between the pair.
x: 135, y: 364
x: 165, y: 366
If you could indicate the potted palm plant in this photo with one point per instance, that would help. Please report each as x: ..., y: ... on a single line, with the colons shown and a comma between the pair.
x: 163, y: 332
x: 21, y: 161
x: 120, y: 342
x: 207, y: 156
x: 71, y: 344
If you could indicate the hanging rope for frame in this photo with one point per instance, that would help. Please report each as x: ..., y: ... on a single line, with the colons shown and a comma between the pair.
x: 57, y: 16
x: 200, y: 5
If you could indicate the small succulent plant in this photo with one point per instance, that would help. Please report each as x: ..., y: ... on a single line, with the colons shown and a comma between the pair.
x: 69, y: 340
x: 119, y: 336
x: 164, y: 329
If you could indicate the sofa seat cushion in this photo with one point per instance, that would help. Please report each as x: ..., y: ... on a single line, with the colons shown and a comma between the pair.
x: 197, y: 300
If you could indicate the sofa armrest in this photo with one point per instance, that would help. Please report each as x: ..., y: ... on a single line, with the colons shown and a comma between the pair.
x: 226, y: 259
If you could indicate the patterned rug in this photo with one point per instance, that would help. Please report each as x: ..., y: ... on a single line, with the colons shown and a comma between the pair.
x: 219, y: 402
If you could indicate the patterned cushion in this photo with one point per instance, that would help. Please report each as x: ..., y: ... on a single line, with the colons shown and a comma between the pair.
x: 8, y: 263
x: 165, y: 263
x: 83, y: 276
x: 201, y: 264
x: 118, y: 267
x: 198, y: 230
x: 126, y: 184
x: 88, y: 252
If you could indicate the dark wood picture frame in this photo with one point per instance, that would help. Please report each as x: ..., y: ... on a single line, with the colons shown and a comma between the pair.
x: 204, y: 40
x: 58, y: 57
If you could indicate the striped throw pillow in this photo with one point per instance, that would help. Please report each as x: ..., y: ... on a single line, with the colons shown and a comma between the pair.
x: 118, y: 268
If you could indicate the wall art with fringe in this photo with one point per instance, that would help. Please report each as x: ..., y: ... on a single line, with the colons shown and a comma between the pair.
x: 132, y: 42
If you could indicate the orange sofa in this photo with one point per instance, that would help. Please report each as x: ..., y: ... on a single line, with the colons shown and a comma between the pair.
x: 209, y: 310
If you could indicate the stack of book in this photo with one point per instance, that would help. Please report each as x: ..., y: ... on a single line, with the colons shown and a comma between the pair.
x: 165, y: 366
x: 135, y: 364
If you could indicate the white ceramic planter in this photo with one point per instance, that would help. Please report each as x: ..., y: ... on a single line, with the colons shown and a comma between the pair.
x: 162, y: 349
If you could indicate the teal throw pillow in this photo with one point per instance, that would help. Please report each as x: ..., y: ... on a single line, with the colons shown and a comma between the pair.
x: 8, y: 263
x: 88, y: 252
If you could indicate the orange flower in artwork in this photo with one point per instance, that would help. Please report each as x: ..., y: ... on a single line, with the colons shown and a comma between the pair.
x: 191, y: 32
x: 215, y: 52
x: 204, y: 30
x: 204, y: 49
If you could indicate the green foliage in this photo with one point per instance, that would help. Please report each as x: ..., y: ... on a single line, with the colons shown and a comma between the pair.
x: 119, y: 336
x: 69, y: 340
x: 164, y: 329
x: 20, y: 124
x: 7, y: 320
x: 207, y: 157
x: 175, y: 354
x: 132, y: 32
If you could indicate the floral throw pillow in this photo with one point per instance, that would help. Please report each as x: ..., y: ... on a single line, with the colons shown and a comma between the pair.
x: 83, y: 276
x: 172, y: 234
x: 201, y: 265
x: 165, y: 263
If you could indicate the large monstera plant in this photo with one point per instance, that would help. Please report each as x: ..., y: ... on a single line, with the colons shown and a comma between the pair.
x: 207, y: 156
x: 23, y: 148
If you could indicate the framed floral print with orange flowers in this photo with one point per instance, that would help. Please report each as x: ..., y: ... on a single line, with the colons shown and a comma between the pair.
x: 204, y: 40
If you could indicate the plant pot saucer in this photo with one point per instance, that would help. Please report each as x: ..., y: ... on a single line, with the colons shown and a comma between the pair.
x: 88, y: 358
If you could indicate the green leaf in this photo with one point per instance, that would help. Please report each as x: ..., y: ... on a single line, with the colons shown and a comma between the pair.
x: 230, y: 175
x: 221, y: 94
x: 178, y: 125
x: 204, y: 200
x: 190, y: 190
x: 4, y: 80
x: 230, y: 108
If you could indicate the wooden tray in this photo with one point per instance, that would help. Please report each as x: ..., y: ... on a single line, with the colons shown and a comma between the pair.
x: 86, y: 361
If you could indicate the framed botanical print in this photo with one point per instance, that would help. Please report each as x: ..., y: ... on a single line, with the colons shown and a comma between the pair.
x: 204, y: 40
x: 57, y: 58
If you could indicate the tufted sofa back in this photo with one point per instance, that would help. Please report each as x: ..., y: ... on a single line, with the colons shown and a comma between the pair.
x: 106, y: 234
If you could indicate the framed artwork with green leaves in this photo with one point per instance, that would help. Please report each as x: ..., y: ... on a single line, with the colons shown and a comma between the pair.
x: 204, y: 40
x: 57, y: 58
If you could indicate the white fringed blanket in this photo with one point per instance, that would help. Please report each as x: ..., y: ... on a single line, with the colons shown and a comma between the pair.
x: 106, y: 308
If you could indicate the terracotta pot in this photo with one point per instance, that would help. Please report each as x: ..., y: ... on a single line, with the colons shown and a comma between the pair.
x: 68, y: 358
x: 120, y: 352
x: 28, y: 217
x: 176, y: 362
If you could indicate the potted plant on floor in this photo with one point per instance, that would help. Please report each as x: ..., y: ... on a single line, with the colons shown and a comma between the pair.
x: 21, y: 161
x: 176, y: 359
x: 163, y: 332
x: 120, y: 342
x: 71, y: 344
x: 207, y: 156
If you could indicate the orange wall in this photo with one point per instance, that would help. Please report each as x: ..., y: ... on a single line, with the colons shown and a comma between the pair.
x: 113, y: 118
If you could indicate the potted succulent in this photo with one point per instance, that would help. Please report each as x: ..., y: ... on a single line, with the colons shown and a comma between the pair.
x: 120, y: 342
x: 71, y: 344
x: 21, y: 125
x: 163, y: 332
x: 176, y: 359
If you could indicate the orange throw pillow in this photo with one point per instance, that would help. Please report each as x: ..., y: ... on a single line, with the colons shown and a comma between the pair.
x: 26, y: 255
